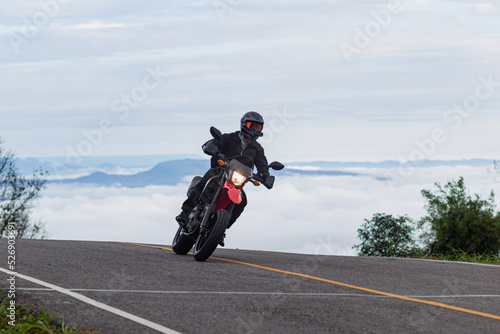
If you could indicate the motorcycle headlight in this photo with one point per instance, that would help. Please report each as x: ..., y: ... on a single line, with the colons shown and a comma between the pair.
x: 237, y: 179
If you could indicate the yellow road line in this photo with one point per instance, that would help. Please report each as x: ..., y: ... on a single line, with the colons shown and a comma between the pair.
x: 422, y: 301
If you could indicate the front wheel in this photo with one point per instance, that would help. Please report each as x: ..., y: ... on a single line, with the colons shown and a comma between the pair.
x: 182, y: 242
x: 209, y: 239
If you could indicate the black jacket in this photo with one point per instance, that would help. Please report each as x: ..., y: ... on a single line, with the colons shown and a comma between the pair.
x: 230, y: 145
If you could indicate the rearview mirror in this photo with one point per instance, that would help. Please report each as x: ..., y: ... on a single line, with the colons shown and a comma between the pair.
x: 215, y: 132
x: 276, y: 165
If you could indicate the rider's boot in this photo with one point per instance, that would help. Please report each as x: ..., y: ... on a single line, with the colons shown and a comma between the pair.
x: 182, y: 218
x: 221, y: 241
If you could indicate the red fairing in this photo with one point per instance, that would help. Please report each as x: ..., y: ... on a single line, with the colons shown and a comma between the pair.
x: 229, y: 194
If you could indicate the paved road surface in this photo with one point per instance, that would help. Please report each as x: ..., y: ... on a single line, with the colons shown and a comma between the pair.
x: 105, y: 285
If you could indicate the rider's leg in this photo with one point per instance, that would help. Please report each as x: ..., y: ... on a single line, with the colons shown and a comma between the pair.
x: 193, y: 197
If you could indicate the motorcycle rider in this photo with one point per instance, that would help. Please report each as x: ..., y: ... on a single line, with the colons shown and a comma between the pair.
x: 243, y: 142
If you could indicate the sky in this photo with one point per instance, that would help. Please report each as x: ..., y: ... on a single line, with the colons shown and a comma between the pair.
x: 360, y: 80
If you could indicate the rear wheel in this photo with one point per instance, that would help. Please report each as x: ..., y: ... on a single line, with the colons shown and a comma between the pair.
x: 182, y: 242
x: 208, y: 240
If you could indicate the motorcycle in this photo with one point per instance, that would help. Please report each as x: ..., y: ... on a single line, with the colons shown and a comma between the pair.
x: 207, y: 223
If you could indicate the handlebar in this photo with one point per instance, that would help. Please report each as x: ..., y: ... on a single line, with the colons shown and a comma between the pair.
x: 268, y: 182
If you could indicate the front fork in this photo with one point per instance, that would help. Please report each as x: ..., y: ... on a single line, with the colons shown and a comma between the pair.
x: 210, y: 209
x: 221, y: 201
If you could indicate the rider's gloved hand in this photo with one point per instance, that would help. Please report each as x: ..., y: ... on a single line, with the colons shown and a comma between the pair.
x: 263, y: 175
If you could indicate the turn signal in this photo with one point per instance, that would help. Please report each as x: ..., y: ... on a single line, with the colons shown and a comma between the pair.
x: 221, y: 162
x: 256, y: 183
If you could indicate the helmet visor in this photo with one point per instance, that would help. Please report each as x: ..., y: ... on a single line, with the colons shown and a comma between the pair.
x: 254, y: 125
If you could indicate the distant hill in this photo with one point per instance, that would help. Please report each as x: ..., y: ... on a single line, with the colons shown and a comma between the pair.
x: 165, y: 173
x: 60, y: 165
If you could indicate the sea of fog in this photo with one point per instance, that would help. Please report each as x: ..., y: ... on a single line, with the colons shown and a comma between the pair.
x: 302, y: 214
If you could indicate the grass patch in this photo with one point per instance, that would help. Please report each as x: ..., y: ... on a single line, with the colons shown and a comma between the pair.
x: 455, y: 255
x: 458, y: 255
x: 32, y: 319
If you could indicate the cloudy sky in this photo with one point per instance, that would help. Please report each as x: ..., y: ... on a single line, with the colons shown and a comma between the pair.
x: 360, y: 80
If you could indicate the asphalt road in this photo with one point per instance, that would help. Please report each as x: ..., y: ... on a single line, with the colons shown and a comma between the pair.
x: 127, y: 288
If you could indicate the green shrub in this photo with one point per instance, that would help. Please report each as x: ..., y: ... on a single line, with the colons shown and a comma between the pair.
x: 457, y: 221
x: 385, y: 235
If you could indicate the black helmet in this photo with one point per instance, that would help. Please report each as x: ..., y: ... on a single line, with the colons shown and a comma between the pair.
x: 252, y: 124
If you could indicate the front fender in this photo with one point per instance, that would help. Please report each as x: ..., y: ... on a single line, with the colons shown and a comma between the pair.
x: 234, y: 193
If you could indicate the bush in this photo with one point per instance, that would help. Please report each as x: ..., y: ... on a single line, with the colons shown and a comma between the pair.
x: 456, y: 221
x: 385, y: 235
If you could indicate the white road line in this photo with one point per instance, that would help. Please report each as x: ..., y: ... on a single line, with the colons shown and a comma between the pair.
x: 315, y: 294
x: 208, y: 292
x: 94, y: 303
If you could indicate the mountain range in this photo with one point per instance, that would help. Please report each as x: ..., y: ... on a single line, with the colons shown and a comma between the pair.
x: 172, y: 172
